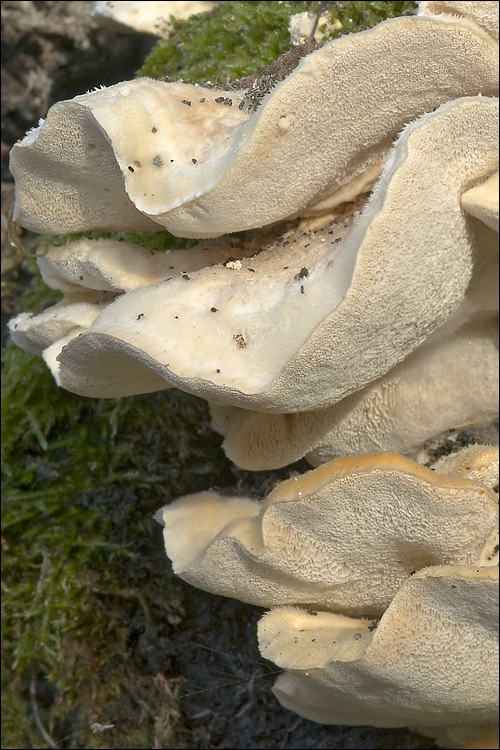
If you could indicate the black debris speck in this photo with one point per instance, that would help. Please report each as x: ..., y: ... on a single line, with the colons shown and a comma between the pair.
x: 240, y: 341
x: 220, y: 99
x: 141, y: 315
x: 185, y: 276
x: 186, y: 101
x: 302, y: 290
x: 154, y: 130
x: 202, y: 99
x: 158, y: 161
x: 252, y: 270
x: 213, y: 309
x: 194, y: 161
x: 217, y: 370
x: 131, y: 169
x: 302, y: 274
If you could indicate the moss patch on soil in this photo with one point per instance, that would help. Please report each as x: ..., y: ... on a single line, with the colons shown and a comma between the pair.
x: 91, y: 613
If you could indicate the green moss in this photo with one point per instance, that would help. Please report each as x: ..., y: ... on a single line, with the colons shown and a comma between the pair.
x: 82, y: 479
x: 154, y: 240
x: 83, y: 569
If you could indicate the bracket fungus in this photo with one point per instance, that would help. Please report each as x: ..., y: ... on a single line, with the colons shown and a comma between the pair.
x: 342, y: 537
x: 450, y: 381
x: 305, y: 319
x: 338, y: 324
x: 179, y: 154
x: 429, y: 663
x: 384, y: 591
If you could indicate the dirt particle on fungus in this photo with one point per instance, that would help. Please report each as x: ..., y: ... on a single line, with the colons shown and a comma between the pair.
x: 195, y: 161
x: 158, y: 161
x: 131, y: 169
x: 186, y: 101
x: 202, y: 99
x: 220, y: 99
x: 301, y: 274
x: 154, y: 130
x: 240, y: 341
x: 285, y: 268
x: 217, y: 370
x: 252, y: 270
x: 373, y: 626
x: 302, y: 290
x: 213, y: 309
x: 81, y: 278
x: 185, y: 276
x: 176, y: 317
x: 357, y: 636
x: 311, y: 612
x: 141, y: 315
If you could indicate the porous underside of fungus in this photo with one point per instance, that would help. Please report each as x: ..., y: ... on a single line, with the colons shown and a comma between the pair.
x: 179, y: 154
x: 342, y: 537
x: 246, y: 331
x: 429, y: 663
x: 448, y: 382
x: 482, y: 12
